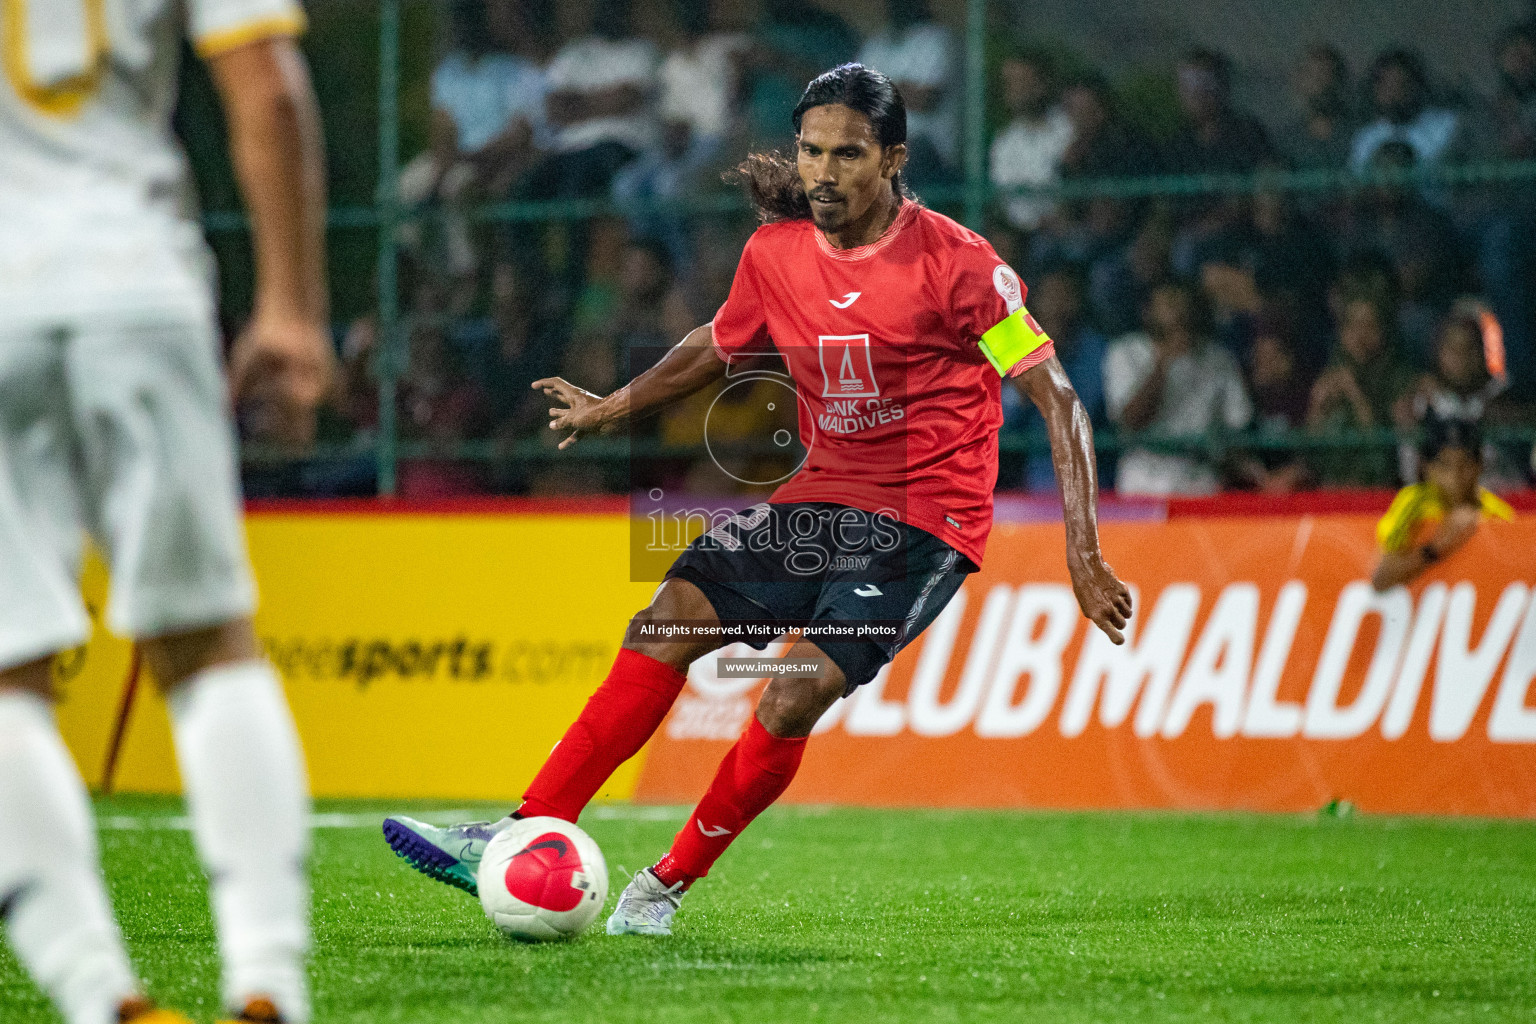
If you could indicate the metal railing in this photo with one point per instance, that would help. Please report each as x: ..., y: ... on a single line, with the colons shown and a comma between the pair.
x: 1107, y: 441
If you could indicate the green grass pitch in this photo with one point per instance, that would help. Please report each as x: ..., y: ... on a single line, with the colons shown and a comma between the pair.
x: 895, y: 916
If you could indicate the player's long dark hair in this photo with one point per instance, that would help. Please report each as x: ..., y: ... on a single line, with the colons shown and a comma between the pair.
x: 772, y: 179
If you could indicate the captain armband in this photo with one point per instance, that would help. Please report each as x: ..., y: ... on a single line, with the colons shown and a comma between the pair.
x: 1015, y: 338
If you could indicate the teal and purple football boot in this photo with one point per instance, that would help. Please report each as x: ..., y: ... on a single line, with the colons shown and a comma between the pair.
x: 450, y: 854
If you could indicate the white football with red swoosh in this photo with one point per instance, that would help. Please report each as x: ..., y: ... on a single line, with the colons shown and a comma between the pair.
x: 543, y: 879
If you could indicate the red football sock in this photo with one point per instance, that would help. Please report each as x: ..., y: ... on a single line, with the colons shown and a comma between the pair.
x: 619, y: 717
x: 753, y: 775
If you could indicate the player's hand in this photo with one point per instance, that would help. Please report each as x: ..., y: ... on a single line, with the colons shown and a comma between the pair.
x: 1459, y: 526
x: 287, y: 363
x: 1102, y: 597
x: 580, y: 415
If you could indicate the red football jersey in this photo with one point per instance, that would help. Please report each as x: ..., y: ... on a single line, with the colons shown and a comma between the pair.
x: 900, y: 392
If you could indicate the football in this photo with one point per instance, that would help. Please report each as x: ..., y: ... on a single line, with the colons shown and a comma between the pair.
x: 542, y: 880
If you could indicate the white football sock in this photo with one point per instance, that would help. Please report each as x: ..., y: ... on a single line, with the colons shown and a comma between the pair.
x: 51, y: 891
x: 243, y: 773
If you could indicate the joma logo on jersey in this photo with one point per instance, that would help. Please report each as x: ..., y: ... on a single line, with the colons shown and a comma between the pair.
x: 847, y: 366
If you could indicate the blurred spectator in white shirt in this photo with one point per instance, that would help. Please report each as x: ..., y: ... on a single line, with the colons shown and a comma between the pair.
x: 697, y: 105
x: 1399, y: 91
x: 918, y: 54
x: 699, y: 77
x: 601, y: 87
x: 1172, y: 380
x: 601, y: 104
x: 487, y: 124
x: 1030, y: 150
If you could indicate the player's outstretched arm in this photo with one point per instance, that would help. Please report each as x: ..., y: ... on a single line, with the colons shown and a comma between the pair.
x: 689, y: 365
x: 1101, y: 595
x: 276, y: 146
x: 1400, y: 567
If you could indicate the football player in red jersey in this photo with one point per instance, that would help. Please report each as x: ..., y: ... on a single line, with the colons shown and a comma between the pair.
x: 898, y: 327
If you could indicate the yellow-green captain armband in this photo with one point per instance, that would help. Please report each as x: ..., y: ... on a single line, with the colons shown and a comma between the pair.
x: 1011, y: 340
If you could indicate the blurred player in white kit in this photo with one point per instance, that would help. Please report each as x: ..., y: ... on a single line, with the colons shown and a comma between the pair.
x: 115, y: 422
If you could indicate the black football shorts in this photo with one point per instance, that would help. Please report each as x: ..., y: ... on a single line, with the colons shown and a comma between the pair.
x: 862, y: 585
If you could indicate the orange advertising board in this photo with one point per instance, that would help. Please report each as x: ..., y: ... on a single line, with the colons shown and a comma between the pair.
x: 1261, y: 672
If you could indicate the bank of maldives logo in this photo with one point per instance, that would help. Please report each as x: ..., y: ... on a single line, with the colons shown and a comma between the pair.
x: 847, y: 367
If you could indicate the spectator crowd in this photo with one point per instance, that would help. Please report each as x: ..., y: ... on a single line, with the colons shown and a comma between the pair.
x: 1236, y: 319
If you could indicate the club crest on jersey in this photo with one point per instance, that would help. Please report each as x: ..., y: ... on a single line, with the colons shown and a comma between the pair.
x: 847, y: 367
x: 1007, y: 284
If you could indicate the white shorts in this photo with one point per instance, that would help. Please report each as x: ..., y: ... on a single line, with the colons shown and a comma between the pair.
x: 116, y: 426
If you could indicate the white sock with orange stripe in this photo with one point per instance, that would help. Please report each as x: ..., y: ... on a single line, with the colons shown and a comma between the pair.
x: 243, y: 773
x: 52, y: 897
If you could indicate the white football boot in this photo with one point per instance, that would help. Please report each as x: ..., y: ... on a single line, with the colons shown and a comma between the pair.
x: 646, y: 907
